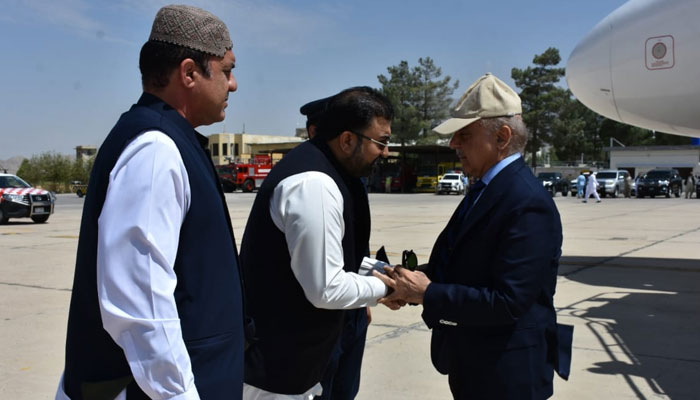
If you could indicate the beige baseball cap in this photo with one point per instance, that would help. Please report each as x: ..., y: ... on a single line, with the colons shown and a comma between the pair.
x: 488, y: 97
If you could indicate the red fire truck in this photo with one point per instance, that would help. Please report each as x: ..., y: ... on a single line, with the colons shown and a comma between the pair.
x: 246, y: 176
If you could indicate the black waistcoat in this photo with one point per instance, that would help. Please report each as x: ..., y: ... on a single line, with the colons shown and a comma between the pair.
x: 294, y: 339
x: 208, y: 292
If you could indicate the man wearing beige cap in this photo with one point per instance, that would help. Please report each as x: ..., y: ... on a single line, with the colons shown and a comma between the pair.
x: 487, y: 291
x: 156, y: 309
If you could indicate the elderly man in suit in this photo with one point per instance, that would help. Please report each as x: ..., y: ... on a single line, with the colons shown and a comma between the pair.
x: 487, y: 291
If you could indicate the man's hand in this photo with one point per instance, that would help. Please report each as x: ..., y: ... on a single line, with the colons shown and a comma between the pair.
x: 408, y: 286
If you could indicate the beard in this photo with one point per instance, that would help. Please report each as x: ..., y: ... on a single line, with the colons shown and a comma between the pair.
x: 357, y: 165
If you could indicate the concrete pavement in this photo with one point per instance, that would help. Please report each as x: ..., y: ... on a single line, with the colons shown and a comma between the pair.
x: 629, y: 283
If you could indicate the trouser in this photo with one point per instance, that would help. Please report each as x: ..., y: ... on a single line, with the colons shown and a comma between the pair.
x: 342, y: 378
x: 589, y: 192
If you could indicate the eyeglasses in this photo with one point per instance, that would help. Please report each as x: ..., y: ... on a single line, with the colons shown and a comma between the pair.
x: 409, y: 260
x: 382, y: 145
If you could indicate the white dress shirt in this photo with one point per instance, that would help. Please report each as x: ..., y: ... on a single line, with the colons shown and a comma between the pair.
x: 138, y: 232
x: 308, y: 208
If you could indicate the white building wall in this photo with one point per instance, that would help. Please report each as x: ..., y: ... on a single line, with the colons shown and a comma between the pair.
x: 646, y: 159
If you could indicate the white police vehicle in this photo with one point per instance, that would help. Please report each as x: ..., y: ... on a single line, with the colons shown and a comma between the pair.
x: 18, y: 199
x: 451, y: 182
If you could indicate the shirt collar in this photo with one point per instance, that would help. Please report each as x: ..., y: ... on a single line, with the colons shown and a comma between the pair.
x: 491, y: 173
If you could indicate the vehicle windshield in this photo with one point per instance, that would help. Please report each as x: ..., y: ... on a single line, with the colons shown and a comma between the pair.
x: 13, y: 182
x: 427, y: 171
x: 657, y: 175
x: 224, y: 170
x: 606, y: 175
x: 546, y: 175
x: 451, y: 177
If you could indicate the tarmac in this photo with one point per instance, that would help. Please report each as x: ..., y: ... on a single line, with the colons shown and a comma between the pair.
x: 629, y: 282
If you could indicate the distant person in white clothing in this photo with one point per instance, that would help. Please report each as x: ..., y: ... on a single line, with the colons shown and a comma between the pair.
x: 592, y: 188
x: 689, y: 186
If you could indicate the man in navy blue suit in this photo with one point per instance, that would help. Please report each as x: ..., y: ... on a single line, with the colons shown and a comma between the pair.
x: 487, y: 291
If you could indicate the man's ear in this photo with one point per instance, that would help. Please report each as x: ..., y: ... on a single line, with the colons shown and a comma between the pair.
x: 503, y: 137
x: 346, y: 142
x: 186, y: 72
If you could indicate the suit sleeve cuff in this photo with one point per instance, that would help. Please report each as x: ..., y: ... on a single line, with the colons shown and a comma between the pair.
x: 431, y: 304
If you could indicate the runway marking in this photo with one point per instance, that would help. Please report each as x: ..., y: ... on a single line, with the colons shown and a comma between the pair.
x: 397, y: 332
x: 35, y: 286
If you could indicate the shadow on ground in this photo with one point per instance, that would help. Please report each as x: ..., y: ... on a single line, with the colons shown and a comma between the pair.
x: 646, y: 318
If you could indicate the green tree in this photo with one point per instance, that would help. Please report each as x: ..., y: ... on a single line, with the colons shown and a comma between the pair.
x: 80, y: 170
x: 635, y: 136
x: 421, y: 98
x: 56, y: 169
x: 575, y: 132
x: 400, y: 88
x: 28, y: 171
x: 540, y: 97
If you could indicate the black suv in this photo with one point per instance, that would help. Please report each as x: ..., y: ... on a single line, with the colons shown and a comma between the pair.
x: 554, y: 182
x: 660, y: 181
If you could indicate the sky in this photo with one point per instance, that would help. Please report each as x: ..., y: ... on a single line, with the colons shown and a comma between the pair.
x: 70, y: 67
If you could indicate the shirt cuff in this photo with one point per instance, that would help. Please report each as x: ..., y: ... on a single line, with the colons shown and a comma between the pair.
x: 191, y: 394
x: 370, y: 264
x: 379, y: 290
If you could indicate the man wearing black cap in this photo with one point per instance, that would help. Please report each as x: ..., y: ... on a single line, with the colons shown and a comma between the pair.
x: 156, y: 309
x: 313, y: 111
x: 305, y: 241
x: 341, y: 380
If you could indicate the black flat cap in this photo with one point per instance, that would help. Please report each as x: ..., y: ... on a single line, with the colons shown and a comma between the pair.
x: 314, y: 109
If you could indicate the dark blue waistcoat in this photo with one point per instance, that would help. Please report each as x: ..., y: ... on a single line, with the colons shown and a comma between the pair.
x: 208, y: 292
x: 294, y: 340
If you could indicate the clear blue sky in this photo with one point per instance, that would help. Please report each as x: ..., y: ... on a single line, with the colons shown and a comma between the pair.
x: 70, y: 67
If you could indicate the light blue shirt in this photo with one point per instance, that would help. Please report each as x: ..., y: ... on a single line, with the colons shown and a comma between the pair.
x: 491, y: 173
x: 581, y: 181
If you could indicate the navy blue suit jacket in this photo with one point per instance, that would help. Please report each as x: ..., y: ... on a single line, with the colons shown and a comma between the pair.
x: 490, y: 303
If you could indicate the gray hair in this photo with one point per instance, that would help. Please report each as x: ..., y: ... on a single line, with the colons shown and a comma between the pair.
x: 517, y: 126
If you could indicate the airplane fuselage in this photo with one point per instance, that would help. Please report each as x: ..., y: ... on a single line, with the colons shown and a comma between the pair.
x: 641, y: 66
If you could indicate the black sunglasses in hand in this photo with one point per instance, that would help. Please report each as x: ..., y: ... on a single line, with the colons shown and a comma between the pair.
x: 409, y: 260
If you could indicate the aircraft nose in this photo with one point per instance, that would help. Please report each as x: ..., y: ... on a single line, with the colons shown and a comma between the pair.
x: 588, y: 72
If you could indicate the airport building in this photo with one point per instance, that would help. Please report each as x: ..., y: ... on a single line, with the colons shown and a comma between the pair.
x: 640, y: 159
x: 238, y: 147
x: 85, y: 152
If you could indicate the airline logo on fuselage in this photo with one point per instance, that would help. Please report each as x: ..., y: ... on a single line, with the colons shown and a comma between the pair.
x: 660, y: 52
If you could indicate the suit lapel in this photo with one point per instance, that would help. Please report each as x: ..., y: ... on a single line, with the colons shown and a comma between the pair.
x: 498, y: 186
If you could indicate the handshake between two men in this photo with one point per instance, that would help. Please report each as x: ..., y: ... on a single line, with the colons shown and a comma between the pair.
x: 407, y: 282
x: 406, y: 286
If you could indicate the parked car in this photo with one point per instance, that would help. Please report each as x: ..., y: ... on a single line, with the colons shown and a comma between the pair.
x: 660, y: 182
x: 611, y: 182
x: 79, y: 188
x: 554, y: 182
x: 18, y: 199
x: 451, y: 182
